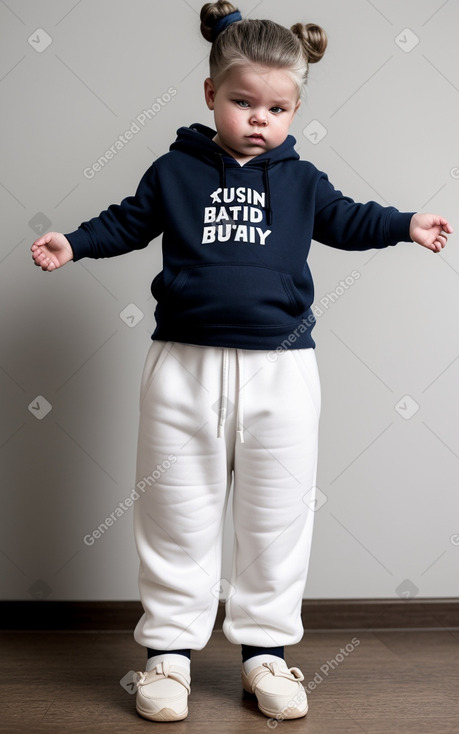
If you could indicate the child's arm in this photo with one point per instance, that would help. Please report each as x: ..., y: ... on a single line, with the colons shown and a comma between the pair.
x: 121, y: 228
x: 348, y: 225
x: 429, y: 231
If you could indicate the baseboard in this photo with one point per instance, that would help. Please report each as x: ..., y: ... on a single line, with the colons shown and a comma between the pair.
x: 317, y: 614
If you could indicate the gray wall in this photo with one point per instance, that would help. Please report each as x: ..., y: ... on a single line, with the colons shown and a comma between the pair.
x: 73, y: 340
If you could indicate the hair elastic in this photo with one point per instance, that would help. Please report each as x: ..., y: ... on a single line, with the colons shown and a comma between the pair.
x: 225, y: 22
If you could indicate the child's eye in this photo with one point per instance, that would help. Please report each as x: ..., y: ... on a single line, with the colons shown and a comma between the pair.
x: 242, y: 103
x: 277, y: 110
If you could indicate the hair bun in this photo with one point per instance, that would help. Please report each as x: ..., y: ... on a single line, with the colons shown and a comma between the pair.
x: 313, y: 39
x: 211, y: 13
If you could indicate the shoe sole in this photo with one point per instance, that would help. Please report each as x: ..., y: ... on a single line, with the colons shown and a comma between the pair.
x: 165, y: 714
x: 278, y: 715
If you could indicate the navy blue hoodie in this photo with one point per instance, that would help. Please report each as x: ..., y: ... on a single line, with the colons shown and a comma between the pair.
x: 236, y: 240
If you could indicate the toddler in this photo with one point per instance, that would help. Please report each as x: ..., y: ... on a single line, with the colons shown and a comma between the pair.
x: 230, y: 390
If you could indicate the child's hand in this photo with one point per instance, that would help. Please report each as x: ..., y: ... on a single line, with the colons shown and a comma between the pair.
x: 51, y: 251
x: 429, y: 230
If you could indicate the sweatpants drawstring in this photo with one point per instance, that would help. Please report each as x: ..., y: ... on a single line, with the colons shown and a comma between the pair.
x: 240, y: 407
x: 224, y: 395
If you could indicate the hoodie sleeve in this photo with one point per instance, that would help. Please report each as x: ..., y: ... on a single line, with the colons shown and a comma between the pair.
x: 123, y: 227
x: 342, y: 223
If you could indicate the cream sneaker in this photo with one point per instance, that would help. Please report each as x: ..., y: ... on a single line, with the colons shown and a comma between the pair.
x: 278, y: 690
x: 162, y: 693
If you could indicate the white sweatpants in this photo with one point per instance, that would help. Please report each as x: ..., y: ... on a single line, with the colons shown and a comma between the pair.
x: 208, y: 414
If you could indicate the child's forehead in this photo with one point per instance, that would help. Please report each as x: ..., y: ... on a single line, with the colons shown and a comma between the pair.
x: 260, y: 79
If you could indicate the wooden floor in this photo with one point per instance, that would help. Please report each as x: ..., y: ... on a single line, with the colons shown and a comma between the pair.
x: 391, y: 682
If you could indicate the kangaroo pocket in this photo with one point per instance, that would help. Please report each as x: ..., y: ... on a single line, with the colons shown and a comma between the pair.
x: 243, y: 295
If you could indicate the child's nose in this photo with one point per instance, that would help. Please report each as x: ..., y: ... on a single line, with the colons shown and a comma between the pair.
x: 259, y: 117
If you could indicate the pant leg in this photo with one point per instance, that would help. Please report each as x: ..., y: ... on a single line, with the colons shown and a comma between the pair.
x: 274, y: 480
x: 183, y: 479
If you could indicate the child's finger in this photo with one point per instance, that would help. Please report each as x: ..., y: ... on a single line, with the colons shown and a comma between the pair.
x: 43, y: 240
x: 444, y: 224
x: 42, y: 260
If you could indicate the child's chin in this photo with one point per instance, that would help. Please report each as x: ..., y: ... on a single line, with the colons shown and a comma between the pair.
x: 255, y: 147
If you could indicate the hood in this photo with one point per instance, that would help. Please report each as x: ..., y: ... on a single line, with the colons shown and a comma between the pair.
x: 197, y: 141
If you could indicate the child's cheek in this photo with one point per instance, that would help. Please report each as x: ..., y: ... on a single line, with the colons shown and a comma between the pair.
x: 234, y: 124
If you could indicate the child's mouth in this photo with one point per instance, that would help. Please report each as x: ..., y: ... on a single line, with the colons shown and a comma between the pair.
x: 256, y: 138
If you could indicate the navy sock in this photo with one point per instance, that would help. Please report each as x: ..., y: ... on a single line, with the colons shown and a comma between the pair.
x: 151, y: 652
x: 249, y: 651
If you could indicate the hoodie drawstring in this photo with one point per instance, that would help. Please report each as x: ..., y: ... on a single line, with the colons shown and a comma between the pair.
x: 269, y: 216
x: 224, y: 395
x: 222, y: 171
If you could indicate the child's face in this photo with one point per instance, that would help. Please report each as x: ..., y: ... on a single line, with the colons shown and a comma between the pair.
x: 253, y: 110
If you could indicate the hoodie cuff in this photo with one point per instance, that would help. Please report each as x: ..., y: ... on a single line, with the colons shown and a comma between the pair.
x: 399, y: 227
x: 80, y: 243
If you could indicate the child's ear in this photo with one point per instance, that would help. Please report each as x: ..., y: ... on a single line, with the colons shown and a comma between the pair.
x: 296, y: 107
x: 209, y: 93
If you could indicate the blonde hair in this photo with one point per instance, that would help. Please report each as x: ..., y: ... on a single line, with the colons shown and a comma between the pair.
x: 262, y: 43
